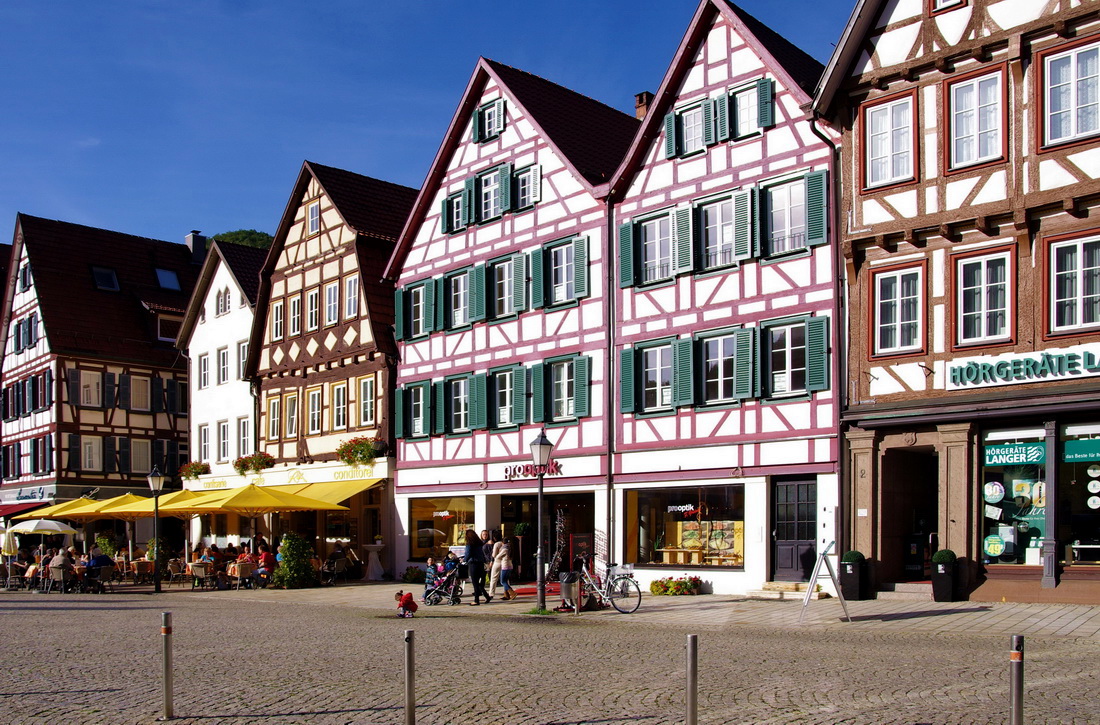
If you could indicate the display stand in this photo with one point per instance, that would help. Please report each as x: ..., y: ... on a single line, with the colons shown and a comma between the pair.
x: 374, y: 569
x: 813, y: 583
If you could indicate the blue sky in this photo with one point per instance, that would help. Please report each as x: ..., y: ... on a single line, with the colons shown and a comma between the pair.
x: 155, y: 117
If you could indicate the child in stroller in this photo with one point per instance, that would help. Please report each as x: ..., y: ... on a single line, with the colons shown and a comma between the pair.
x: 448, y: 587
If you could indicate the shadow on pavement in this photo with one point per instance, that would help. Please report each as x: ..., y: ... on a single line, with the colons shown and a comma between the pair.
x: 890, y: 616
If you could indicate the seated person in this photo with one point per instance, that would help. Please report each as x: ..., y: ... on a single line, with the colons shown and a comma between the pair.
x: 101, y: 560
x: 336, y: 554
x: 231, y: 551
x: 246, y: 555
x: 265, y: 566
x: 355, y: 564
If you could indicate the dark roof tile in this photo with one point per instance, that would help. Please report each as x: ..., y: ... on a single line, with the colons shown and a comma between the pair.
x: 245, y: 262
x: 371, y: 206
x: 805, y: 71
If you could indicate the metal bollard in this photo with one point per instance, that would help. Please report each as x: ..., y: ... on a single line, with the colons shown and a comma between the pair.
x: 692, y: 696
x: 410, y: 677
x: 166, y: 649
x: 1016, y: 680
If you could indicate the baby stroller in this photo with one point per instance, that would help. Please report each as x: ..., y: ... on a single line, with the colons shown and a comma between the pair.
x: 448, y: 587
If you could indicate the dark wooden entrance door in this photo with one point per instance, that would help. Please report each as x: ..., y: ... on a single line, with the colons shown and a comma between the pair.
x: 794, y: 514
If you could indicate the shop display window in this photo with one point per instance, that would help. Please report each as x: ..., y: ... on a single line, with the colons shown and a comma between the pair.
x: 702, y: 526
x: 438, y: 524
x: 1079, y: 493
x: 1014, y: 496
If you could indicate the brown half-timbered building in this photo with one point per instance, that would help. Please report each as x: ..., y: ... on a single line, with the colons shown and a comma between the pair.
x: 94, y: 392
x: 323, y: 351
x: 971, y: 237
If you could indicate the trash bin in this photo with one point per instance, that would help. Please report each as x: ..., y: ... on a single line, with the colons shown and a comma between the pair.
x: 570, y: 585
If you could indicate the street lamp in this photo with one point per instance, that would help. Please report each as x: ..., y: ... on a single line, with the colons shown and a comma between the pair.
x: 541, y: 448
x: 156, y: 483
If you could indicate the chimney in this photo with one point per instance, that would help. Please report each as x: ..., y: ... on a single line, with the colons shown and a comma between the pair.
x: 641, y: 104
x: 196, y: 242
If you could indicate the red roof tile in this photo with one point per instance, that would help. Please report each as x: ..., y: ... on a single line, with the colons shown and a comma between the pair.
x: 371, y: 206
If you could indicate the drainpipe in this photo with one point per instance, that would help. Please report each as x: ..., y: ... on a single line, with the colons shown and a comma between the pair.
x: 840, y: 339
x: 609, y: 369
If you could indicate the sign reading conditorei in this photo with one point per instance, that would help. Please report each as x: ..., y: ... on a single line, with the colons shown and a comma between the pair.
x: 1080, y: 361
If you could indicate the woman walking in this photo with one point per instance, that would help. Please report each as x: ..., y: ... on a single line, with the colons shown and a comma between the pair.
x: 475, y: 559
x: 502, y: 557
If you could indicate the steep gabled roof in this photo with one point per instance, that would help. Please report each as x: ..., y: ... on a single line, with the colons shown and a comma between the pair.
x: 376, y: 210
x: 797, y: 72
x: 79, y: 318
x: 589, y: 136
x: 859, y: 25
x: 243, y: 263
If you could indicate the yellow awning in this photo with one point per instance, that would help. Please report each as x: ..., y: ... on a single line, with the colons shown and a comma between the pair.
x: 331, y: 491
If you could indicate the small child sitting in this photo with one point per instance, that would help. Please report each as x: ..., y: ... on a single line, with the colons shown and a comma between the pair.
x: 406, y: 604
x: 431, y: 576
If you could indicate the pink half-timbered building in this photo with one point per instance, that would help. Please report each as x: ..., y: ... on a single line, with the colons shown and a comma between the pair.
x: 503, y: 316
x: 726, y: 443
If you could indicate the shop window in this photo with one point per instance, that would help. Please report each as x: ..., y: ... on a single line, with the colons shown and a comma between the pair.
x: 702, y: 526
x: 1014, y: 478
x: 1079, y: 493
x: 439, y: 523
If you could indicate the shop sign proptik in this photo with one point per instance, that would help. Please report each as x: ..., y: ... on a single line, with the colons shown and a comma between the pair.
x: 528, y: 470
x: 1016, y: 454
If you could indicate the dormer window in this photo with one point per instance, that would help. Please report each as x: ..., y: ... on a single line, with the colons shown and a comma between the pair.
x: 167, y: 279
x: 489, y: 121
x: 105, y: 279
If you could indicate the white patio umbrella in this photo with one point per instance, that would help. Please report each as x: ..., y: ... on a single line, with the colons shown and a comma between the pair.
x: 9, y: 549
x: 43, y: 527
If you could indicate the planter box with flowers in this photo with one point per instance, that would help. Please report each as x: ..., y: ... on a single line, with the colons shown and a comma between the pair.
x: 194, y: 469
x: 360, y: 451
x: 256, y: 462
x: 674, y: 587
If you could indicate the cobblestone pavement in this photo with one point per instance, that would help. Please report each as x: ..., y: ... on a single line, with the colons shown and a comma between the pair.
x: 335, y: 655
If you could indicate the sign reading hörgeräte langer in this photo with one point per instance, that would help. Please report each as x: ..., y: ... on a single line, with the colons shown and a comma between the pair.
x: 1068, y: 363
x: 1016, y: 454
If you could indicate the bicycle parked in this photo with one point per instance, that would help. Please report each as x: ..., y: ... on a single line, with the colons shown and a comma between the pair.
x: 618, y: 590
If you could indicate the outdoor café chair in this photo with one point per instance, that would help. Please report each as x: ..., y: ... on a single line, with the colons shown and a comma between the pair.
x: 58, y: 576
x: 143, y: 570
x: 242, y: 572
x: 175, y: 572
x: 339, y: 568
x: 201, y: 575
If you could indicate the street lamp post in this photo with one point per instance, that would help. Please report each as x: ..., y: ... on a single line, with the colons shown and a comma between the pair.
x: 541, y: 448
x: 156, y: 483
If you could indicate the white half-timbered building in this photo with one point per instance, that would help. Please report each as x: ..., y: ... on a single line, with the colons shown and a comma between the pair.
x: 726, y: 444
x: 323, y: 356
x: 94, y: 391
x: 503, y: 317
x: 971, y: 157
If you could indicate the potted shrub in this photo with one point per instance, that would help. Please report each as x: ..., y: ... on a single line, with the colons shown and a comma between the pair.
x: 943, y: 575
x: 853, y: 576
x: 194, y: 469
x: 359, y: 451
x: 256, y: 462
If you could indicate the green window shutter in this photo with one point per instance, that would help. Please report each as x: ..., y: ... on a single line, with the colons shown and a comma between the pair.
x: 475, y: 126
x: 429, y: 307
x: 504, y: 178
x: 477, y: 293
x: 765, y: 103
x: 709, y: 135
x: 445, y: 217
x: 745, y: 366
x: 626, y: 255
x: 74, y: 452
x: 538, y: 392
x: 502, y: 120
x: 581, y: 384
x: 817, y: 208
x: 536, y: 183
x: 399, y: 314
x: 759, y: 224
x: 580, y: 267
x: 399, y: 413
x: 519, y: 395
x: 519, y: 282
x: 469, y: 196
x: 742, y: 224
x: 683, y: 259
x: 442, y: 305
x: 109, y: 460
x: 479, y: 403
x: 722, y: 117
x: 538, y: 282
x: 683, y: 373
x: 439, y: 408
x: 670, y: 136
x: 626, y: 380
x: 817, y: 353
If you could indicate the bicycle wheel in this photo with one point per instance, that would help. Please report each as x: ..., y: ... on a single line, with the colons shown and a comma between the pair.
x: 625, y: 595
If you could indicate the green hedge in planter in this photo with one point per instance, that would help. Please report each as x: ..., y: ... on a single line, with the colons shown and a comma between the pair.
x: 674, y: 587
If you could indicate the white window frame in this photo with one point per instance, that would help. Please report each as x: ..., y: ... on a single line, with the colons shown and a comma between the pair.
x: 204, y: 371
x: 723, y: 350
x: 655, y: 248
x: 274, y: 418
x: 417, y: 401
x: 563, y: 273
x: 1072, y: 86
x: 488, y: 194
x: 975, y: 116
x: 223, y: 441
x: 141, y: 393
x: 313, y: 222
x: 503, y: 290
x: 899, y: 140
x: 716, y: 233
x: 746, y: 113
x: 91, y: 453
x: 294, y: 321
x: 291, y: 415
x: 691, y: 130
x: 938, y: 5
x: 782, y: 376
x: 563, y: 395
x: 418, y: 323
x: 332, y: 303
x: 897, y: 322
x: 351, y: 297
x: 277, y: 320
x: 223, y: 365
x: 527, y: 187
x: 504, y: 386
x: 314, y: 408
x: 244, y: 436
x: 785, y: 206
x: 491, y: 121
x: 459, y: 390
x: 91, y: 388
x: 141, y: 455
x: 985, y: 291
x: 1075, y: 305
x: 242, y: 358
x: 458, y: 298
x: 656, y: 364
x: 366, y: 401
x: 204, y: 442
x: 313, y: 311
x: 339, y: 406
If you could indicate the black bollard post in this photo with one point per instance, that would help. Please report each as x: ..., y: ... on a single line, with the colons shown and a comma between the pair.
x: 692, y: 696
x: 166, y: 653
x: 410, y: 678
x: 1016, y: 680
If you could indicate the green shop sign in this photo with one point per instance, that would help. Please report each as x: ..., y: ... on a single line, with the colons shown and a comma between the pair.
x: 1016, y: 454
x: 1077, y: 361
x: 1086, y: 450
